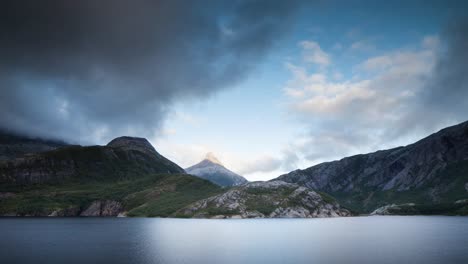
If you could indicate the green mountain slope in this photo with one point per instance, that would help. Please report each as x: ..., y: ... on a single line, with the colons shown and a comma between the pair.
x: 149, y: 195
x: 122, y: 158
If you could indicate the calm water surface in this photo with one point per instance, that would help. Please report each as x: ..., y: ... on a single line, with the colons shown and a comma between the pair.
x: 389, y: 239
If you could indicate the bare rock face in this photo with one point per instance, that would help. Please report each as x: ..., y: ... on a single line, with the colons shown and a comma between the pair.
x: 133, y: 143
x: 103, y: 208
x: 73, y: 211
x: 276, y: 199
x: 429, y: 166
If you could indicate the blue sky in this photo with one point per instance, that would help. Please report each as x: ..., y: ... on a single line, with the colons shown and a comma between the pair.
x: 252, y: 123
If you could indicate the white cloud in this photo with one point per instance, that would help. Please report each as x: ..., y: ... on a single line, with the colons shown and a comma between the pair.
x: 337, y: 75
x: 168, y: 132
x: 188, y: 118
x: 312, y: 53
x: 253, y: 166
x: 359, y: 114
x: 262, y: 164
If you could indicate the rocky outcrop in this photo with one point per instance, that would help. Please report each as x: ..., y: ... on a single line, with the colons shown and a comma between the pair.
x: 122, y: 158
x: 276, y: 199
x: 434, y: 169
x: 103, y: 208
x: 72, y: 211
x: 459, y: 207
x: 211, y: 169
x: 391, y: 209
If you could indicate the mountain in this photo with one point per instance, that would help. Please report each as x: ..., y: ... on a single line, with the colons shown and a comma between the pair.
x: 274, y: 199
x: 213, y: 170
x: 123, y: 157
x: 432, y: 171
x: 14, y: 145
x: 127, y: 177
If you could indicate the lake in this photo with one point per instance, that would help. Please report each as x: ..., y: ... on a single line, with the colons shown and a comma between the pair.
x: 376, y: 239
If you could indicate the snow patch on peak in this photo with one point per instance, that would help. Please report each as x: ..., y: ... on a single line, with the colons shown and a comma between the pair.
x: 211, y: 157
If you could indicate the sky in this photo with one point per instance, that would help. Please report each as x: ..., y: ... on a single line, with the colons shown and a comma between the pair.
x: 267, y: 86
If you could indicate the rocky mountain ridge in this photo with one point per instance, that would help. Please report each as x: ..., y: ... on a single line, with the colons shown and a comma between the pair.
x: 432, y: 170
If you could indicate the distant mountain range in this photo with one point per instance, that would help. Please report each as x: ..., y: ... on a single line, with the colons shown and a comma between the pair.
x: 128, y: 177
x: 213, y: 170
x: 432, y: 171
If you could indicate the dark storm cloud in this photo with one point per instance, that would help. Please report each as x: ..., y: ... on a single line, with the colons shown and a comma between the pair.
x: 443, y: 99
x: 92, y: 69
x: 447, y: 89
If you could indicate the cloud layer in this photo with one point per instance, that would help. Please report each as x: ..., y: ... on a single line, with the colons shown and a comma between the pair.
x: 394, y: 98
x: 89, y: 70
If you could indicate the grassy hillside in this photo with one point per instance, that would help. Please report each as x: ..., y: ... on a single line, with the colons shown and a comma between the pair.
x: 102, y: 162
x: 151, y: 195
x: 78, y: 163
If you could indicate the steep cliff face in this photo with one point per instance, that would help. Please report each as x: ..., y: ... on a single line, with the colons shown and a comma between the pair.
x: 276, y: 199
x: 103, y: 208
x: 121, y: 158
x: 432, y: 170
x: 211, y: 169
